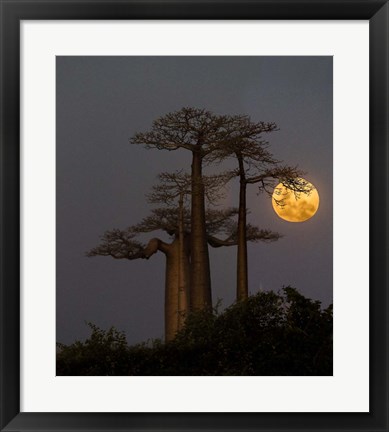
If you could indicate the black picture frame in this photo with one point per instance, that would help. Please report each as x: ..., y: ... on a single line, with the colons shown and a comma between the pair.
x: 12, y: 12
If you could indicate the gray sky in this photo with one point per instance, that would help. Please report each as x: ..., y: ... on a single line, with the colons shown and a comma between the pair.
x: 102, y: 179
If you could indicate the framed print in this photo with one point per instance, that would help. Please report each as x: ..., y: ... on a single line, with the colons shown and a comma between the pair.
x: 194, y: 215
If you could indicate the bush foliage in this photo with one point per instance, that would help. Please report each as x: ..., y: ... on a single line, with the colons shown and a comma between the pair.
x: 268, y: 334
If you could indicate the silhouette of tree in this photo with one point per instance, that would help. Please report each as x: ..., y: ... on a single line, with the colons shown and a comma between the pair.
x: 256, y: 165
x: 200, y: 132
x: 174, y: 189
x: 122, y: 244
x: 210, y: 138
x: 176, y: 222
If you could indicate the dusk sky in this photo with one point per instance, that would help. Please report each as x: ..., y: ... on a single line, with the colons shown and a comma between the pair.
x: 102, y: 179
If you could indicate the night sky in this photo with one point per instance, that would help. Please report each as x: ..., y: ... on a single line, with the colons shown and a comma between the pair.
x: 102, y: 179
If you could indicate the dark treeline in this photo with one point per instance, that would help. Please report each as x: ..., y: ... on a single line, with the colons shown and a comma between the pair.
x: 266, y: 334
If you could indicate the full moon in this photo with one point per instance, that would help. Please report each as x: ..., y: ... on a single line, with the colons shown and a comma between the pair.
x: 297, y: 207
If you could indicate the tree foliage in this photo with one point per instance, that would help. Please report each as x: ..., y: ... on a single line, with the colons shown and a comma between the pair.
x: 267, y: 334
x: 103, y: 353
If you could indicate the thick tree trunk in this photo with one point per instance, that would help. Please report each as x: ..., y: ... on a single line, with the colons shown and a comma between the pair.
x: 200, y: 281
x: 175, y: 265
x: 171, y: 291
x: 242, y: 267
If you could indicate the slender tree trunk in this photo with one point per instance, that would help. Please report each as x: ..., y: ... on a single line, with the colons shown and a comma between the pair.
x: 242, y: 267
x: 200, y: 282
x: 183, y: 269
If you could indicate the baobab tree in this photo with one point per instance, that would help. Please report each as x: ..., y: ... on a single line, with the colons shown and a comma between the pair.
x: 123, y: 244
x: 174, y: 219
x: 256, y: 165
x: 174, y: 189
x: 200, y: 132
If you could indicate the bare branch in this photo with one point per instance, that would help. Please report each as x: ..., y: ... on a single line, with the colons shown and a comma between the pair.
x: 216, y: 242
x: 173, y: 185
x: 119, y: 245
x: 253, y: 234
x: 165, y: 219
x: 193, y: 129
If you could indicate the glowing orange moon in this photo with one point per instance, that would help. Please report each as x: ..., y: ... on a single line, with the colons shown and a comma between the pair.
x: 295, y: 207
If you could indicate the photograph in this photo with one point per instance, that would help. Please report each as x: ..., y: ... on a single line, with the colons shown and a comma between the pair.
x: 194, y: 215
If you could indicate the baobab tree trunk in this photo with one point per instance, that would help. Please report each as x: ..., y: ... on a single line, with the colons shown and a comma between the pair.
x: 174, y: 265
x: 200, y: 280
x: 171, y: 291
x: 183, y: 268
x: 242, y: 266
x: 172, y: 288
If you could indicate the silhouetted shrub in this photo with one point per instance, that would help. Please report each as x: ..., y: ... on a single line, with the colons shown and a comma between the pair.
x: 267, y: 334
